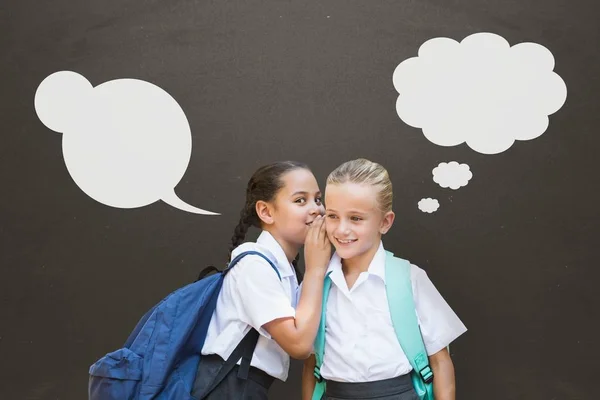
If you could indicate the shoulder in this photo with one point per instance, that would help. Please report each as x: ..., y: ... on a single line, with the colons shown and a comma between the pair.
x: 253, y: 265
x: 418, y: 277
x: 417, y: 272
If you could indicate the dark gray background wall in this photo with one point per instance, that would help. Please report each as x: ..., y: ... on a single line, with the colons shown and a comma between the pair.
x: 514, y: 252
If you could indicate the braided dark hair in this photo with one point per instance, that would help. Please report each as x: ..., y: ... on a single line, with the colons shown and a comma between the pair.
x: 263, y: 185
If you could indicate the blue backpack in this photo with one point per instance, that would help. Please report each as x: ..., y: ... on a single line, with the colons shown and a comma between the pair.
x: 161, y: 356
x: 404, y: 318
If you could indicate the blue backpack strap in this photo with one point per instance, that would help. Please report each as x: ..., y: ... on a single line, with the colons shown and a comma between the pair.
x: 248, y: 253
x: 320, y: 342
x: 252, y: 336
x: 245, y: 349
x: 404, y: 318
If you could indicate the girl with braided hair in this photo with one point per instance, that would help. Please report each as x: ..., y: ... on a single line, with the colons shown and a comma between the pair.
x: 284, y: 201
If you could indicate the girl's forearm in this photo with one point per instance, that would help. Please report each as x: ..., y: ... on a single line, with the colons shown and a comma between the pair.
x: 308, y: 379
x: 444, y: 386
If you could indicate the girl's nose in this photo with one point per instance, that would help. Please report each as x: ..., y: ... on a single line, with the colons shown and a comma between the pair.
x: 317, y: 210
x: 343, y: 229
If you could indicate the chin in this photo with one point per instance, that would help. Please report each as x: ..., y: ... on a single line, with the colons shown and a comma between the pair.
x: 346, y: 253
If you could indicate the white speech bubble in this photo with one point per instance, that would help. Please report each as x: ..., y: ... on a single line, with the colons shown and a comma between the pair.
x: 452, y: 175
x: 480, y: 91
x: 429, y: 205
x: 126, y: 143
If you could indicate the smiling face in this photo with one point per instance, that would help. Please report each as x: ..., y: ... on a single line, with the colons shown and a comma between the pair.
x: 355, y: 221
x: 288, y: 216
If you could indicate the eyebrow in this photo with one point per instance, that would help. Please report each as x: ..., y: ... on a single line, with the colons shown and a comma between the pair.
x: 304, y: 193
x: 349, y: 212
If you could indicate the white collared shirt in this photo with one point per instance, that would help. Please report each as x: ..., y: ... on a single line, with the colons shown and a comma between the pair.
x: 253, y: 295
x: 360, y: 341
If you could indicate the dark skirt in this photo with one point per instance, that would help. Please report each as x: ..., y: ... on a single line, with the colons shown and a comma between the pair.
x: 232, y: 387
x: 399, y: 388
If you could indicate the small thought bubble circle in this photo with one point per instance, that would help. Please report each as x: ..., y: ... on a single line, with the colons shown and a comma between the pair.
x: 481, y: 91
x: 126, y: 142
x: 428, y: 205
x: 452, y: 175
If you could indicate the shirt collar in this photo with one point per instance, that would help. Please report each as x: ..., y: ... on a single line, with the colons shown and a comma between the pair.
x: 376, y: 267
x: 267, y: 245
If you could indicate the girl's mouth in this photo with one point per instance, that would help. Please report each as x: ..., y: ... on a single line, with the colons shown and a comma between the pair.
x: 347, y: 241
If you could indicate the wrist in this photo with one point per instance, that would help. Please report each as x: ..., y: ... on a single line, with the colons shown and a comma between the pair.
x: 315, y: 273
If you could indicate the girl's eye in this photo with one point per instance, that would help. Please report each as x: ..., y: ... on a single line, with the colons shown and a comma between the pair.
x: 318, y: 200
x: 301, y: 200
x: 356, y: 218
x: 332, y: 216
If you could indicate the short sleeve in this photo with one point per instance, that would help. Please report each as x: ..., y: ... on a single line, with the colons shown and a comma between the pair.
x: 439, y: 325
x: 263, y: 297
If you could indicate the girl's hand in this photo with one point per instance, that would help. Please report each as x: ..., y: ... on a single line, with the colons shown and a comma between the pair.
x: 317, y: 248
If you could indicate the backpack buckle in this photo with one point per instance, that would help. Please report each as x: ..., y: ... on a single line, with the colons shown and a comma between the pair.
x: 317, y: 374
x: 426, y: 374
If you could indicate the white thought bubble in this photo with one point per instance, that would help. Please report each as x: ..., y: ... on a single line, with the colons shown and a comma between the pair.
x: 126, y: 143
x: 480, y: 91
x: 452, y: 175
x: 428, y: 205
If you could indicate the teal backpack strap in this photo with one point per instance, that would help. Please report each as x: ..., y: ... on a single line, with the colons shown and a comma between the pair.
x: 320, y: 343
x: 404, y: 318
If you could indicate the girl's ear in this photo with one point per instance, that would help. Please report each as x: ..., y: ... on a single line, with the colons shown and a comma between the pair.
x: 387, y: 222
x: 264, y: 212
